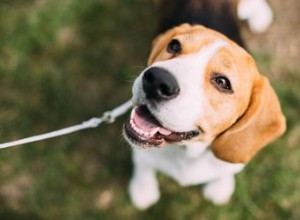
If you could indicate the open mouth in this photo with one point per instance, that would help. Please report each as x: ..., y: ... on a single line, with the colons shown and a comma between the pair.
x: 144, y: 129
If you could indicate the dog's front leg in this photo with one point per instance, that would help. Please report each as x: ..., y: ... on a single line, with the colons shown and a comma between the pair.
x: 143, y: 186
x: 219, y: 191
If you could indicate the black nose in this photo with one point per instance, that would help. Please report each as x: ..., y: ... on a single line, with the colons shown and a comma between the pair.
x: 159, y: 84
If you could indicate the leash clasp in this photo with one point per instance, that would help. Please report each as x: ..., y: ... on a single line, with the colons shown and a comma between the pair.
x: 108, y: 117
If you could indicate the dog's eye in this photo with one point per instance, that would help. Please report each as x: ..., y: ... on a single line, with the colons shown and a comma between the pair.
x: 222, y: 83
x: 174, y: 47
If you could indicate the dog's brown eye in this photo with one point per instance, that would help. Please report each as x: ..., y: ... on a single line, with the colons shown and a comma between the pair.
x: 222, y: 83
x: 174, y: 47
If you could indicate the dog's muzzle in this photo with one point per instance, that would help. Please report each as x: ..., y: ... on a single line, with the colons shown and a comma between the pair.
x: 143, y: 128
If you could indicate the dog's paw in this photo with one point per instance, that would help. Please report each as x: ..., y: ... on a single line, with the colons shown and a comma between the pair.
x: 220, y: 191
x: 143, y: 192
x: 258, y: 14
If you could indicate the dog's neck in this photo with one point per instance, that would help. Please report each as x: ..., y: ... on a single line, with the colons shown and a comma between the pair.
x: 219, y: 15
x: 194, y: 150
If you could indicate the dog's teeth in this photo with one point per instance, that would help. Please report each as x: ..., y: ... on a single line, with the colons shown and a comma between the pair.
x: 147, y: 134
x: 132, y: 113
x: 133, y: 125
x: 135, y: 128
x: 140, y: 131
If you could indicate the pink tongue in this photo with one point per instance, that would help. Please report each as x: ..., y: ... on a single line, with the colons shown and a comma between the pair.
x: 141, y: 123
x: 148, y: 126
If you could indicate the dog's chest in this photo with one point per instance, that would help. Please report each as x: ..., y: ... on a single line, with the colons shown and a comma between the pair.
x: 187, y: 164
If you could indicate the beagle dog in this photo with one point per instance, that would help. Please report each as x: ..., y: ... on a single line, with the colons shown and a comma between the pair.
x: 202, y: 111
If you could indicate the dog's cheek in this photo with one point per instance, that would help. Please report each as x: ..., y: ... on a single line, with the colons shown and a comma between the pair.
x: 181, y: 113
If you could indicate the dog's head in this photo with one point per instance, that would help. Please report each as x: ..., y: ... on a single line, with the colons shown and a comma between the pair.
x: 201, y: 86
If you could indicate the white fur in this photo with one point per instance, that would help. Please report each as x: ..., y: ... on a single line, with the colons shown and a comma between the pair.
x: 175, y: 161
x: 193, y: 163
x: 258, y: 14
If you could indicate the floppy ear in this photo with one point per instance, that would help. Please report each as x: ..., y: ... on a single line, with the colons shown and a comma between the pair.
x: 262, y: 122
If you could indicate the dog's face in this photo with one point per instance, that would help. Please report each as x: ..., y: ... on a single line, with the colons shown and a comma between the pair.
x: 200, y: 86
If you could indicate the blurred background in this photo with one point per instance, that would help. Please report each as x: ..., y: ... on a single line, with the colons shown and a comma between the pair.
x: 65, y: 61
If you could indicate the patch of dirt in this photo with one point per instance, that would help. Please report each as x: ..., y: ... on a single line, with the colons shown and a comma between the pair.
x: 13, y: 191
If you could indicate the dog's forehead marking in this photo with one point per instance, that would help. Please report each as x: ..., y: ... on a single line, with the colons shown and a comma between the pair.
x: 210, y: 50
x: 196, y: 60
x: 200, y: 59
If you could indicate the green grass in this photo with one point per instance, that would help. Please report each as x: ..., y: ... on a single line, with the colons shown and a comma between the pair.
x: 62, y: 62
